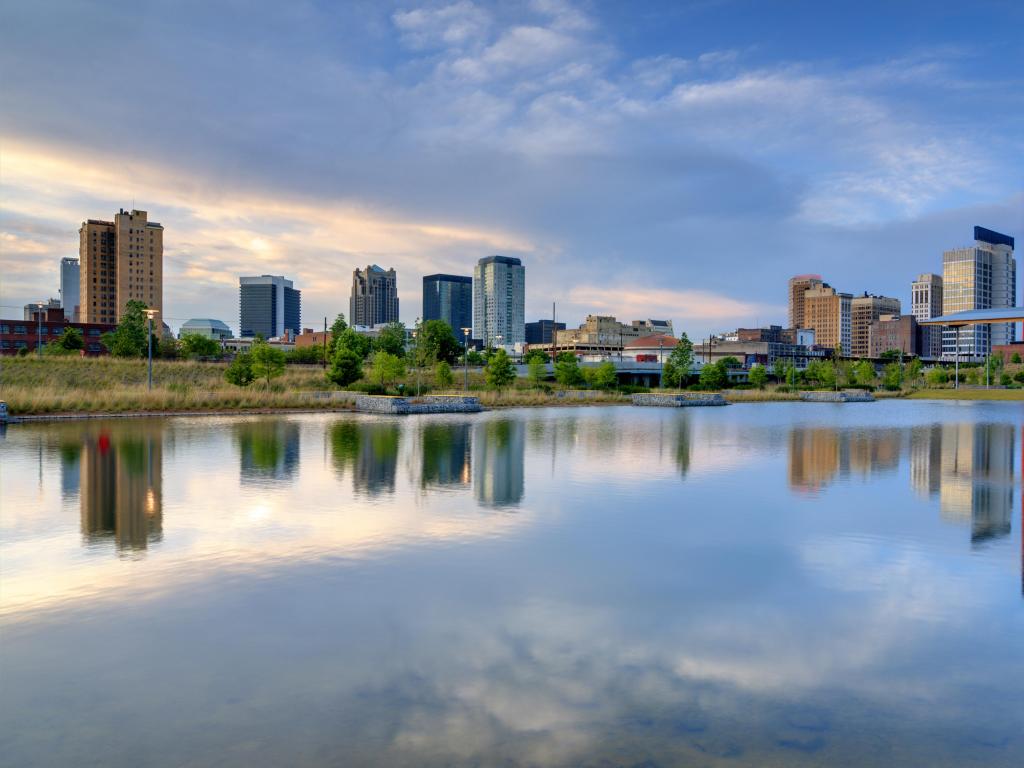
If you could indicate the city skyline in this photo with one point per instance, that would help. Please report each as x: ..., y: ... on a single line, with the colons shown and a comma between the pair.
x: 628, y: 143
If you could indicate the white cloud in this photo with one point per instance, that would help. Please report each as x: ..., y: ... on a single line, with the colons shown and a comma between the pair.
x: 455, y: 25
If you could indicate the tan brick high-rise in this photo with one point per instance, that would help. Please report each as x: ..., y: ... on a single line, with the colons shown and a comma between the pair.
x: 120, y: 260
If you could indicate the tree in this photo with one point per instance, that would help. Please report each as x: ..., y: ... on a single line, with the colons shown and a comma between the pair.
x: 913, y: 372
x: 536, y: 371
x: 130, y: 338
x: 892, y: 377
x: 782, y: 370
x: 604, y: 376
x: 167, y: 348
x: 239, y: 372
x: 1019, y: 377
x: 937, y: 376
x: 499, y: 372
x: 714, y: 375
x: 676, y: 369
x: 567, y: 370
x: 338, y: 327
x: 357, y: 342
x: 195, y: 345
x: 267, y: 362
x: 386, y: 368
x: 758, y: 376
x: 391, y: 339
x: 473, y: 357
x: 864, y: 372
x: 346, y: 367
x: 1015, y: 358
x: 536, y: 354
x: 443, y: 376
x: 890, y: 356
x: 821, y: 373
x: 995, y: 365
x: 309, y: 354
x: 437, y: 343
x: 68, y: 343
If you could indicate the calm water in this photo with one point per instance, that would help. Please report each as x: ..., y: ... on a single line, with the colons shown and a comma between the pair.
x: 757, y: 585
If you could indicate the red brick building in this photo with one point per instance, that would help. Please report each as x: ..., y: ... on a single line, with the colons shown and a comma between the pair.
x: 28, y: 334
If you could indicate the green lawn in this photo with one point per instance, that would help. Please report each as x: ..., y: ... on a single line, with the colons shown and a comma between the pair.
x: 968, y: 394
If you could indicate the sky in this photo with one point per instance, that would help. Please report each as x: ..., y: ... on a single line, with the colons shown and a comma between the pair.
x: 678, y: 159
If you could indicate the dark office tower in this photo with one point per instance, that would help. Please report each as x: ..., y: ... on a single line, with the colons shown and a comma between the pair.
x: 449, y: 298
x: 374, y: 298
x: 542, y: 331
x: 268, y: 305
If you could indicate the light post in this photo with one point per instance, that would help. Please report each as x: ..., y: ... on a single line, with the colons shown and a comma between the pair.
x: 661, y: 362
x: 956, y: 363
x: 416, y: 354
x: 39, y: 328
x: 149, y: 376
x: 465, y: 357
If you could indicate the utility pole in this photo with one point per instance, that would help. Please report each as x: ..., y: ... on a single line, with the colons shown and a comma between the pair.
x: 325, y: 344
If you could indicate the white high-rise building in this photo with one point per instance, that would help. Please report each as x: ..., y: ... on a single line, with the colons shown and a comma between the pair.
x: 926, y: 303
x: 499, y: 299
x: 69, y: 282
x: 982, y: 276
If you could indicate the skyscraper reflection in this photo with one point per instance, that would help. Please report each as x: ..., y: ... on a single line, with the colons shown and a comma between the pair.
x: 445, y: 454
x: 370, y: 450
x: 121, y: 497
x: 268, y: 449
x: 498, y: 458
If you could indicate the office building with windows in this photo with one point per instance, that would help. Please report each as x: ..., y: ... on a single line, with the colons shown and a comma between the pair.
x: 981, y: 276
x: 120, y: 261
x: 69, y: 287
x: 269, y: 305
x: 864, y: 310
x: 926, y: 303
x: 828, y: 313
x: 499, y: 299
x: 797, y: 287
x: 374, y: 299
x: 449, y: 298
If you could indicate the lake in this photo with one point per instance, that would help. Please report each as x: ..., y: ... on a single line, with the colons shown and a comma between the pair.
x: 758, y: 585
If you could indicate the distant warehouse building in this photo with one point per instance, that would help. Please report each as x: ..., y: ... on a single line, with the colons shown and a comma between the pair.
x: 206, y: 326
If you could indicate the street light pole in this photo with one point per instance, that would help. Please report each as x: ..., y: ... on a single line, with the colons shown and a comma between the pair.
x: 39, y: 328
x: 465, y: 357
x: 149, y: 372
x: 661, y: 362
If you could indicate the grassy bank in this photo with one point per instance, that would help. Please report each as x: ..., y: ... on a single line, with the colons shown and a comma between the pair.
x: 969, y: 394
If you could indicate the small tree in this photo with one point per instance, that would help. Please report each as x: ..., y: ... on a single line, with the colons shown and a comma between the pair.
x: 714, y: 375
x: 536, y: 371
x: 338, y: 327
x: 864, y: 372
x: 443, y: 376
x: 676, y: 369
x: 782, y: 370
x: 892, y: 377
x: 351, y: 339
x: 267, y: 362
x: 239, y: 372
x: 567, y: 370
x: 346, y: 367
x: 758, y: 376
x: 131, y: 337
x: 437, y: 343
x: 937, y: 376
x: 1015, y: 358
x: 193, y: 345
x: 68, y: 343
x: 536, y: 354
x: 499, y: 372
x: 386, y: 368
x: 913, y: 371
x: 605, y: 376
x: 391, y: 339
x: 473, y: 357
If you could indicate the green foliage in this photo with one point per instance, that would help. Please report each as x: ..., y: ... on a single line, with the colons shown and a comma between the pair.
x: 338, y: 327
x: 913, y: 371
x: 391, y: 339
x: 167, y: 348
x: 499, y: 372
x: 821, y: 373
x: 782, y: 370
x: 864, y: 372
x: 890, y: 356
x: 310, y: 354
x: 67, y: 343
x: 473, y: 357
x: 23, y: 352
x: 130, y: 338
x: 195, y: 345
x: 346, y: 367
x: 536, y: 371
x: 758, y: 376
x: 714, y: 375
x: 567, y: 370
x: 267, y: 362
x: 536, y: 354
x: 1005, y: 380
x: 386, y: 368
x: 443, y: 376
x: 603, y: 376
x: 676, y: 369
x: 436, y: 342
x: 1019, y: 377
x: 892, y: 377
x: 354, y: 341
x: 937, y: 376
x: 1015, y: 358
x: 239, y: 372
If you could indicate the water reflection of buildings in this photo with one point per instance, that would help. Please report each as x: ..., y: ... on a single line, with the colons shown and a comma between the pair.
x: 818, y: 455
x: 370, y: 450
x: 267, y: 449
x: 121, y: 485
x: 445, y: 452
x: 498, y: 457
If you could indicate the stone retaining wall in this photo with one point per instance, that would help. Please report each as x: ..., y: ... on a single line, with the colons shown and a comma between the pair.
x: 846, y: 396
x: 679, y: 399
x: 425, y: 404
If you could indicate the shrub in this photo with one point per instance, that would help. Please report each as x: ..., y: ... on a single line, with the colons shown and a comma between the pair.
x: 240, y: 372
x: 443, y: 376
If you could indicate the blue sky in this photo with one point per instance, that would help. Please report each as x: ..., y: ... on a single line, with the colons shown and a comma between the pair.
x: 644, y: 159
